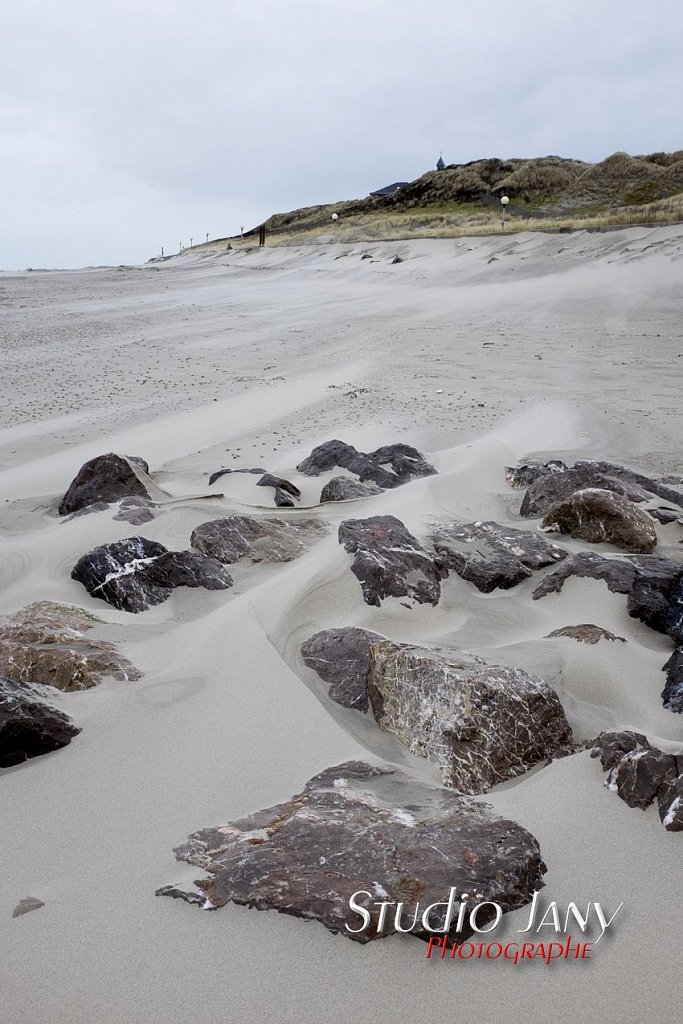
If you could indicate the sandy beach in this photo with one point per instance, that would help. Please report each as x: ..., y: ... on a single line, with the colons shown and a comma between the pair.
x: 481, y: 353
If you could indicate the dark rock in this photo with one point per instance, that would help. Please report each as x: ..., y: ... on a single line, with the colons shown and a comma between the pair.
x: 26, y: 905
x: 637, y: 480
x: 674, y: 618
x: 390, y: 562
x: 47, y: 643
x: 404, y: 462
x: 670, y: 800
x: 341, y: 657
x: 262, y: 539
x: 524, y: 476
x: 397, y: 259
x: 222, y: 472
x: 551, y: 487
x: 357, y: 827
x: 136, y: 511
x: 343, y: 488
x: 610, y: 747
x: 640, y: 773
x: 586, y: 633
x: 105, y: 478
x: 492, y: 556
x: 136, y: 573
x: 665, y: 515
x: 602, y: 517
x: 28, y: 726
x: 481, y: 724
x: 285, y: 492
x: 649, y: 581
x: 672, y: 694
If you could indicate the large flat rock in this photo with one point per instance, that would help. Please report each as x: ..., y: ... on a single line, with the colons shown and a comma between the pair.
x: 358, y: 827
x: 492, y: 556
x: 258, y: 538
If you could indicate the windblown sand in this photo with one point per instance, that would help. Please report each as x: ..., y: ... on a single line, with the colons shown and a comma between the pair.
x: 477, y: 351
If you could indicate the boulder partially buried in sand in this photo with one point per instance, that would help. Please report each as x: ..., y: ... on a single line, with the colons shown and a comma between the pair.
x: 48, y: 643
x: 106, y: 478
x: 388, y: 467
x: 390, y: 562
x: 555, y: 482
x: 640, y: 774
x: 602, y: 517
x: 260, y: 538
x: 341, y: 657
x: 359, y: 827
x: 29, y: 726
x: 492, y: 556
x: 481, y: 724
x: 343, y: 488
x: 136, y: 573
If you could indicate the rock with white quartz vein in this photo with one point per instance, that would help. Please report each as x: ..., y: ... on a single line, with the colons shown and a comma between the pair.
x: 390, y: 562
x: 492, y: 556
x: 481, y: 724
x: 136, y: 573
x: 640, y: 774
x: 358, y: 827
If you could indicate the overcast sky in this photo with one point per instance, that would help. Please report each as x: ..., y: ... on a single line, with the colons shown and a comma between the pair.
x: 131, y: 124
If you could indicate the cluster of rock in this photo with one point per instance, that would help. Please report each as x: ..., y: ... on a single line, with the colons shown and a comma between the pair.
x: 48, y: 643
x: 360, y: 827
x: 596, y: 502
x: 641, y: 774
x: 29, y: 726
x: 654, y: 594
x: 480, y: 724
x: 135, y: 574
x: 388, y: 467
x: 260, y: 539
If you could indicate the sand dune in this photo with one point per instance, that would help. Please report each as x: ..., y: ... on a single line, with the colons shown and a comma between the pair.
x: 480, y: 352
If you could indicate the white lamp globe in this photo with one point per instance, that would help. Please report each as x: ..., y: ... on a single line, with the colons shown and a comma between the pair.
x: 335, y: 216
x: 505, y: 200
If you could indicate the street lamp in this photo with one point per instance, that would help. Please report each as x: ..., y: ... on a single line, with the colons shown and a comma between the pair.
x: 335, y: 216
x: 504, y: 201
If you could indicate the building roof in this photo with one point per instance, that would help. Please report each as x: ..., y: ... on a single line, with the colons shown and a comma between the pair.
x: 389, y: 190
